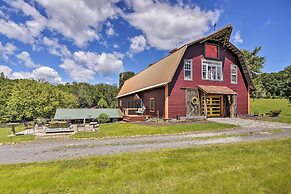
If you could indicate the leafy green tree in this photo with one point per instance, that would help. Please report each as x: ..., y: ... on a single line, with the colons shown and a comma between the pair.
x: 102, y: 103
x: 103, y: 118
x: 255, y: 62
x: 124, y: 76
x: 31, y: 99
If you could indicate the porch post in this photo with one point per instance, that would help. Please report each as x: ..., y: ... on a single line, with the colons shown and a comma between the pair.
x: 166, y: 102
x: 231, y: 106
x: 205, y: 104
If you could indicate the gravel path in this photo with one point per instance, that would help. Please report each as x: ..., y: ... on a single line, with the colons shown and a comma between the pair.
x: 248, y: 123
x: 65, y: 148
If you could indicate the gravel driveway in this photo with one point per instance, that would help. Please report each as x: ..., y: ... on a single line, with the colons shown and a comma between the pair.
x: 248, y: 123
x: 65, y: 148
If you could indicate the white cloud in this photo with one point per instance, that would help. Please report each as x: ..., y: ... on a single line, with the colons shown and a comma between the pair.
x: 84, y: 65
x: 26, y: 60
x: 55, y: 48
x: 76, y: 71
x: 5, y: 69
x: 115, y: 46
x: 137, y: 44
x: 103, y: 64
x: 25, y: 32
x: 81, y: 20
x: 21, y: 75
x: 110, y: 30
x: 16, y: 31
x: 48, y: 74
x: 43, y: 73
x: 6, y: 50
x: 167, y: 26
x: 237, y: 38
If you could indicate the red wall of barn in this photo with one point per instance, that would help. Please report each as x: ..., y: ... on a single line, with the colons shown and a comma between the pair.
x: 157, y: 93
x: 177, y: 104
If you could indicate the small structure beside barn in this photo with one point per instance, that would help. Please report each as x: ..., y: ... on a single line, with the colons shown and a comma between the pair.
x: 78, y: 115
x: 207, y: 77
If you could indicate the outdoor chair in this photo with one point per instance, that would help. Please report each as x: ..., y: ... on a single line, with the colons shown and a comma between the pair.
x: 140, y: 110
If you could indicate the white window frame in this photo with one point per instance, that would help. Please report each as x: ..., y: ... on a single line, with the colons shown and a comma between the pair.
x: 214, y: 64
x: 120, y: 103
x: 189, y: 63
x: 233, y: 67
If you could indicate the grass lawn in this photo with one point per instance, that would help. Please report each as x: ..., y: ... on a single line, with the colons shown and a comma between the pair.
x: 5, y: 132
x: 256, y: 167
x: 129, y: 129
x: 265, y: 105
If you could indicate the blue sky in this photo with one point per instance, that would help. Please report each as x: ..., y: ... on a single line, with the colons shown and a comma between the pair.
x: 93, y: 41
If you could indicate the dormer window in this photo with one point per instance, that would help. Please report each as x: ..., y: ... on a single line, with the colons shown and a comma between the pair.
x: 211, y: 51
x: 188, y: 69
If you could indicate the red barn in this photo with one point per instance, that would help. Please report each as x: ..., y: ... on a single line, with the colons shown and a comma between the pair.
x: 210, y: 68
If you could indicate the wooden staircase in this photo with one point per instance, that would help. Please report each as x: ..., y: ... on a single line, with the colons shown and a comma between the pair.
x: 134, y: 118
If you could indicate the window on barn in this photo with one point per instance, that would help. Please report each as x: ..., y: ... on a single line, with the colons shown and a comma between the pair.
x: 212, y: 70
x: 233, y: 74
x: 188, y: 69
x: 211, y: 51
x: 152, y: 105
x: 120, y: 102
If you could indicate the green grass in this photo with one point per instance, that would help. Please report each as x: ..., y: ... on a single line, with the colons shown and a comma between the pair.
x: 265, y: 105
x: 256, y: 167
x: 5, y: 139
x: 129, y: 129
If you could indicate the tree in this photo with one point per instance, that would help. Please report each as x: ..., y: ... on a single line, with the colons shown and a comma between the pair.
x: 102, y: 103
x: 255, y: 62
x: 30, y: 99
x: 124, y: 76
x: 103, y: 118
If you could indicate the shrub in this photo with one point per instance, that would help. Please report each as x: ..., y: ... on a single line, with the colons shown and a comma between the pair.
x: 103, y: 118
x: 275, y: 113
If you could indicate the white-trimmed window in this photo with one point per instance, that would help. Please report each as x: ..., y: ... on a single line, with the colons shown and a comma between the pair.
x: 188, y: 69
x: 120, y: 102
x: 233, y: 74
x: 211, y: 70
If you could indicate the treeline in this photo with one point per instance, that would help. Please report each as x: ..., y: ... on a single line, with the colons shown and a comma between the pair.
x: 273, y: 85
x: 268, y: 85
x: 26, y: 99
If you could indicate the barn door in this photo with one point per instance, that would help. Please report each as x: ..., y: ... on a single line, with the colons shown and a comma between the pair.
x: 192, y: 103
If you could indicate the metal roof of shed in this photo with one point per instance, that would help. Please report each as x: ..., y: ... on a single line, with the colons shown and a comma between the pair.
x: 86, y: 113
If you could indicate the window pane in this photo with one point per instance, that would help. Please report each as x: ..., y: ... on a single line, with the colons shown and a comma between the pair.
x: 187, y: 74
x: 219, y: 73
x: 188, y: 69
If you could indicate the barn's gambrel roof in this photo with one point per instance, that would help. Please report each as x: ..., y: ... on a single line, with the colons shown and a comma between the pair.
x: 162, y: 72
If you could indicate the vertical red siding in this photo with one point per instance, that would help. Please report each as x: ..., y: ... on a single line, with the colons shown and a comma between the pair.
x: 177, y: 104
